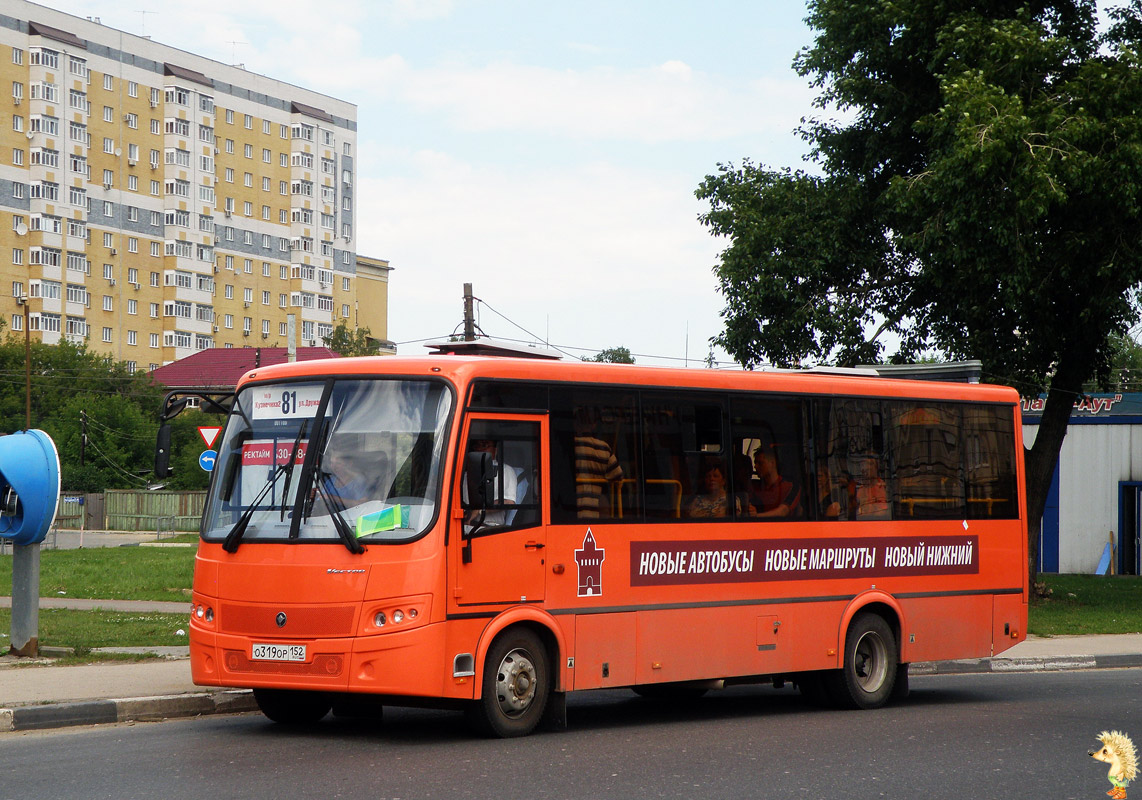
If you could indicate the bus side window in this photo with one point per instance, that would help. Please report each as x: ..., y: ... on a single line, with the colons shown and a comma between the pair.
x: 989, y: 463
x: 925, y: 443
x: 770, y: 433
x: 851, y: 442
x: 684, y: 452
x: 514, y: 449
x: 594, y: 460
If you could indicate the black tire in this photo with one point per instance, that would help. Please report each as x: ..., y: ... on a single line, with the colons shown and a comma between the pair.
x: 867, y: 677
x: 900, y: 688
x: 291, y: 707
x: 515, y: 688
x: 672, y: 692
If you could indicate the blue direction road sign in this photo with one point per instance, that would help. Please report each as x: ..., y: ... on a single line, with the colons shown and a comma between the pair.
x: 206, y: 460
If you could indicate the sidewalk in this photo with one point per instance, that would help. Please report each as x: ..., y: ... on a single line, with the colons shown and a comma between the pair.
x: 35, y: 695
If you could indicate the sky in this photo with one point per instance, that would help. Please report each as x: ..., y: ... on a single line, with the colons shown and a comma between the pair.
x: 545, y: 152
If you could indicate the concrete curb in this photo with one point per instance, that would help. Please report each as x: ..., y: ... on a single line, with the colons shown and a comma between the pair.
x: 129, y: 709
x: 969, y: 666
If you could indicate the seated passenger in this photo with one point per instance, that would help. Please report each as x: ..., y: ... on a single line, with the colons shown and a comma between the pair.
x: 504, y: 481
x: 349, y: 477
x: 714, y: 502
x: 828, y: 499
x: 771, y: 495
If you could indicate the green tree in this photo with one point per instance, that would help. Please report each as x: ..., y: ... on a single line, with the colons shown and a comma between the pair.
x: 350, y: 342
x: 613, y: 355
x: 66, y: 379
x: 981, y: 198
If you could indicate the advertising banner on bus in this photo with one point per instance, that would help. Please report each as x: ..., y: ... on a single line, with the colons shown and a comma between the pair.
x: 745, y: 561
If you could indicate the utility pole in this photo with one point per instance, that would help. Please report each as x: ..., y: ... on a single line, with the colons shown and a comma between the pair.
x: 469, y: 318
x: 23, y: 301
x: 82, y: 435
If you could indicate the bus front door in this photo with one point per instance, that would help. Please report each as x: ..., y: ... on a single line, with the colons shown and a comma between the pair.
x: 501, y: 553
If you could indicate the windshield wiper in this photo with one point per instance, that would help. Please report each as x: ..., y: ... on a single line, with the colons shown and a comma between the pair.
x: 234, y: 537
x: 290, y: 464
x: 336, y: 507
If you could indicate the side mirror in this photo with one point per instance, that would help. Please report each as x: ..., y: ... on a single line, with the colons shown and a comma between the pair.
x: 163, y: 452
x: 479, y: 475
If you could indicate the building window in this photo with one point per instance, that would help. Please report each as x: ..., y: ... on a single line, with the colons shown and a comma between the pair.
x: 107, y: 334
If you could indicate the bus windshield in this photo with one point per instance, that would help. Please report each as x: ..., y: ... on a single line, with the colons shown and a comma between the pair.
x: 373, y: 474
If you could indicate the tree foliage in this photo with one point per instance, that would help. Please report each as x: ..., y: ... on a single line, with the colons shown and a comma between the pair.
x: 350, y: 342
x: 982, y: 198
x: 121, y: 412
x: 613, y: 355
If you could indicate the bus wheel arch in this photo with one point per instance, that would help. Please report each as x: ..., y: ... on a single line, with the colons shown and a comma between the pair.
x: 541, y: 624
x: 516, y: 680
x: 870, y: 659
x: 874, y: 602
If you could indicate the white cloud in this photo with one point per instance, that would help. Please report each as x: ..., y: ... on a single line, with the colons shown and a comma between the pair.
x: 669, y: 102
x: 597, y: 256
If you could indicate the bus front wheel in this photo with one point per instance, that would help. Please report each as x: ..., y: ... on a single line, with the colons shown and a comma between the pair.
x: 516, y: 685
x: 291, y: 707
x: 867, y: 677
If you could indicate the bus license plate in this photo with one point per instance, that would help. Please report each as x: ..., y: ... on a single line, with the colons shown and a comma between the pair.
x: 277, y: 652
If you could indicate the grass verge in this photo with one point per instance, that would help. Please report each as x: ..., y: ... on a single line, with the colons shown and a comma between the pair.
x: 1080, y: 604
x: 85, y: 630
x: 112, y: 573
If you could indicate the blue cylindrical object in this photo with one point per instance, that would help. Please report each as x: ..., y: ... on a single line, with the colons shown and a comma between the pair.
x: 29, y: 467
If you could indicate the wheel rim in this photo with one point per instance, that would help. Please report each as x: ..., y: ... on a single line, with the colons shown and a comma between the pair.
x: 870, y: 661
x: 516, y: 683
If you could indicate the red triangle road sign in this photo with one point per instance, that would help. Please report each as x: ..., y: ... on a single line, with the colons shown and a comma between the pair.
x: 209, y: 434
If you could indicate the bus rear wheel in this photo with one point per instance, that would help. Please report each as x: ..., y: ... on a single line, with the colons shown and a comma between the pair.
x: 291, y: 707
x: 867, y: 677
x: 516, y: 685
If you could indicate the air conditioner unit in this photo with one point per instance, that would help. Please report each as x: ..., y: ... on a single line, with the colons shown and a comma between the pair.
x: 110, y: 281
x: 107, y: 186
x: 245, y: 333
x: 16, y: 100
x: 154, y: 104
x: 216, y: 329
x: 313, y: 343
x: 114, y: 252
x: 265, y: 335
x: 136, y: 286
x: 245, y: 305
x: 132, y: 161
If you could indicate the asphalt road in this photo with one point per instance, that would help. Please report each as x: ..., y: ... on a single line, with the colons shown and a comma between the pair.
x: 977, y: 736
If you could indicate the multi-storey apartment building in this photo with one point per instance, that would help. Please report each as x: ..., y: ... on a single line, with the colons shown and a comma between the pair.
x: 157, y: 203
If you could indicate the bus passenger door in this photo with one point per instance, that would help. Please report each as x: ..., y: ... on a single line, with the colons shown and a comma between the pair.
x: 498, y: 539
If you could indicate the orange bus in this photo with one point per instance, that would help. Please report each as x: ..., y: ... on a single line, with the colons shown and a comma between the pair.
x: 492, y: 533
